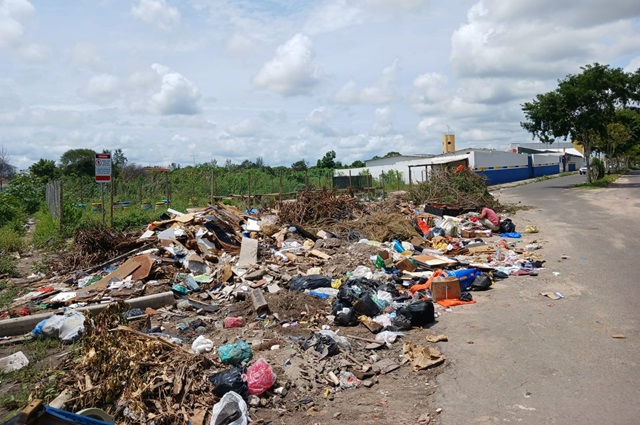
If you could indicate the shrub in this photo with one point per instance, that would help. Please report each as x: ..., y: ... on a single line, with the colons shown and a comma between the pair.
x: 10, y: 239
x: 598, y: 165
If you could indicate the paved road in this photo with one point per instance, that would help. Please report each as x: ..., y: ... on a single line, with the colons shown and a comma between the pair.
x: 519, y: 357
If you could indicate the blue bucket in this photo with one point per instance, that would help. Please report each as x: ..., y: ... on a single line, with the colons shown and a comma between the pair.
x: 464, y: 276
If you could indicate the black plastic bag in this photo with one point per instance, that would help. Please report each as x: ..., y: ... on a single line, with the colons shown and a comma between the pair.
x: 507, y: 226
x: 401, y: 322
x: 313, y: 281
x: 420, y: 312
x: 338, y: 305
x: 365, y: 305
x: 346, y: 317
x: 499, y: 275
x: 466, y: 296
x: 322, y: 344
x: 229, y: 380
x: 481, y: 282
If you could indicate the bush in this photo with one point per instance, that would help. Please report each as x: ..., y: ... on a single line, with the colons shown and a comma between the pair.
x: 133, y: 218
x: 10, y: 240
x: 598, y: 166
x: 46, y: 233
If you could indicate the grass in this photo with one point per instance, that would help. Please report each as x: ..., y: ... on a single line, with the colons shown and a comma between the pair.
x: 600, y: 183
x: 35, y: 375
x: 10, y: 239
x: 7, y: 293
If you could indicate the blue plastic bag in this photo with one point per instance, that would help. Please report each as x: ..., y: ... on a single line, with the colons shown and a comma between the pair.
x: 510, y: 235
x: 235, y: 354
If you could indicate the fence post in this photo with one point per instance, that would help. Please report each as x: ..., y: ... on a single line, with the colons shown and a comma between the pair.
x: 212, y: 184
x: 104, y: 219
x: 280, y: 193
x: 382, y: 183
x: 248, y: 189
x: 111, y: 203
x: 61, y: 207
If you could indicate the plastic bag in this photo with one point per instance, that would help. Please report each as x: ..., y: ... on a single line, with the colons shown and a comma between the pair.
x: 435, y: 232
x: 230, y: 410
x: 481, y: 283
x: 507, y: 226
x: 66, y: 327
x: 313, y: 281
x: 201, y: 345
x: 233, y: 322
x: 234, y: 354
x: 366, y: 305
x: 259, y: 377
x: 229, y: 380
x: 362, y: 272
x: 322, y: 344
x: 388, y: 337
x: 346, y: 317
x: 421, y: 313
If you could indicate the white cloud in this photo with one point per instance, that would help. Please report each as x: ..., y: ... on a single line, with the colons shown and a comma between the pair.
x: 239, y: 44
x: 633, y: 65
x: 13, y: 13
x: 86, y: 55
x: 158, y: 13
x: 383, y: 121
x: 245, y: 128
x: 383, y: 90
x: 318, y: 121
x: 523, y: 38
x: 102, y: 88
x: 173, y: 93
x: 292, y: 71
x: 333, y: 15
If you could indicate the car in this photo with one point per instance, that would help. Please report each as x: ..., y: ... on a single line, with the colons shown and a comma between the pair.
x: 583, y: 169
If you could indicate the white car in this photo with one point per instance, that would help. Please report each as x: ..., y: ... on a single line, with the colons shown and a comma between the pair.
x: 583, y: 169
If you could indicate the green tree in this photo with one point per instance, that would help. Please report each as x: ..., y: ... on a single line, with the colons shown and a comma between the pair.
x: 45, y: 169
x: 300, y: 165
x: 328, y: 160
x: 358, y: 164
x: 580, y: 108
x: 392, y: 154
x: 79, y: 162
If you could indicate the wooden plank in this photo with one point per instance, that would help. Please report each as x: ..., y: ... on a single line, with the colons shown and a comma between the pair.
x: 319, y: 254
x: 121, y: 272
x: 435, y: 260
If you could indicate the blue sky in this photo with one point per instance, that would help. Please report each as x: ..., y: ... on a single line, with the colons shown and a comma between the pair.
x: 189, y: 81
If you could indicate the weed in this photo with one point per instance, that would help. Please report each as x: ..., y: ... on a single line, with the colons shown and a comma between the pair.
x: 8, y: 264
x: 46, y: 234
x: 10, y: 239
x: 600, y: 183
x: 8, y: 292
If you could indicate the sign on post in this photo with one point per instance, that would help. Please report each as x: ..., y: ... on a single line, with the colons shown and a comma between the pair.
x: 103, y: 167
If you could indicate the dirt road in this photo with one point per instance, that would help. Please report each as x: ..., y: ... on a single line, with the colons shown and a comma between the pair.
x: 519, y: 357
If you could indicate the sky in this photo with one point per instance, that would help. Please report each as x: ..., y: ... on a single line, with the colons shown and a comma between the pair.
x: 191, y: 81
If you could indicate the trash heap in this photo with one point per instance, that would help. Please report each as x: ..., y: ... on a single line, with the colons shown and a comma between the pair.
x: 265, y: 313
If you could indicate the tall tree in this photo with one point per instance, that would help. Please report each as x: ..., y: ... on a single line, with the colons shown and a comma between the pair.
x: 45, y: 169
x: 80, y: 162
x: 580, y: 108
x: 7, y: 171
x: 300, y: 165
x: 328, y: 160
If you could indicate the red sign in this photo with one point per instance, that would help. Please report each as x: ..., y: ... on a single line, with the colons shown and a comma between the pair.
x: 103, y: 167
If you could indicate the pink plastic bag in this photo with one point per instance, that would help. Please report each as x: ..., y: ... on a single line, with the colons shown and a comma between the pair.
x: 260, y: 377
x: 233, y: 322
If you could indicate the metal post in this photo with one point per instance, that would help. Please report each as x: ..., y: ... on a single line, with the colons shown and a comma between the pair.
x: 382, y: 183
x: 111, y: 203
x: 349, y: 178
x: 61, y: 209
x: 248, y: 189
x: 306, y: 179
x: 280, y: 193
x: 104, y: 219
x: 398, y: 179
x: 212, y: 183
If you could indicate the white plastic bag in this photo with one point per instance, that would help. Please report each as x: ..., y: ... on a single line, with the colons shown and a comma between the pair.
x: 201, y: 345
x: 229, y: 405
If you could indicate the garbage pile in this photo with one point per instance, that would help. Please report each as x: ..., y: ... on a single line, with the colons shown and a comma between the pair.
x: 219, y: 311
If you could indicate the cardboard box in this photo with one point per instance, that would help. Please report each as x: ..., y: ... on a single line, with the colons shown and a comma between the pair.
x: 445, y: 288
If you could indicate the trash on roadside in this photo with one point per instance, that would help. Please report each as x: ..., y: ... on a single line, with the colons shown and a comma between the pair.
x: 422, y: 357
x: 260, y: 377
x: 230, y: 410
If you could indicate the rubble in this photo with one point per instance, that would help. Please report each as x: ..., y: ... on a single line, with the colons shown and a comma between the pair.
x: 325, y: 294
